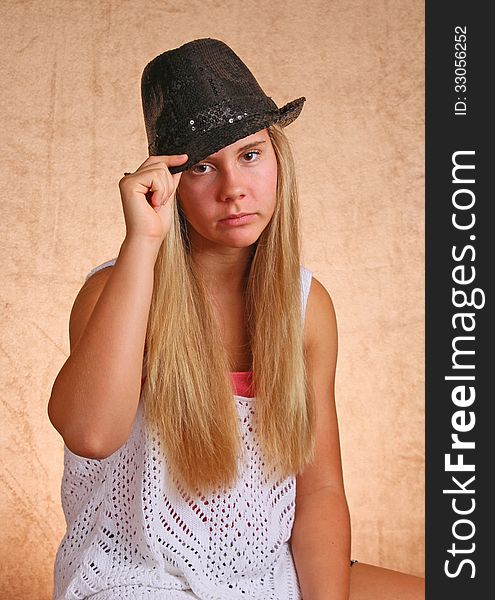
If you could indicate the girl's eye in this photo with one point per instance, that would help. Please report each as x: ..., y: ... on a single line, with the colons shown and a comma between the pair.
x: 253, y: 152
x: 199, y: 169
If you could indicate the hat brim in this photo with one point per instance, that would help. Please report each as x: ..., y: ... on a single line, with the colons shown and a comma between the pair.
x: 214, y: 140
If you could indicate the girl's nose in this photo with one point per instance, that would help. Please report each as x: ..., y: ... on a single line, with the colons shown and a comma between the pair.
x: 231, y: 185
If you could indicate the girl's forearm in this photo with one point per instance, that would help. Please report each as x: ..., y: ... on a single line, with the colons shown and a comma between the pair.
x: 321, y: 543
x: 96, y: 393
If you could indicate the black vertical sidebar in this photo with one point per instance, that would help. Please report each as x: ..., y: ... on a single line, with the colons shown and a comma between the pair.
x: 460, y: 332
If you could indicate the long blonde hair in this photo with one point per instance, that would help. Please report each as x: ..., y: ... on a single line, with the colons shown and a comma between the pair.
x: 188, y: 394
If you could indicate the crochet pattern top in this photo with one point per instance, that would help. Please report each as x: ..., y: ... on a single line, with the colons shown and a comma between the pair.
x: 132, y: 534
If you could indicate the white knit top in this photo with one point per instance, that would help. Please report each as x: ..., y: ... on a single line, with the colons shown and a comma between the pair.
x: 131, y: 535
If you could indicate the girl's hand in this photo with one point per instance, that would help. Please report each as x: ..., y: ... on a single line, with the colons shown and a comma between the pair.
x: 147, y: 197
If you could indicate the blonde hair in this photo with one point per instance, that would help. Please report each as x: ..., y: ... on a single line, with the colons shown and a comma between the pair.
x: 188, y: 395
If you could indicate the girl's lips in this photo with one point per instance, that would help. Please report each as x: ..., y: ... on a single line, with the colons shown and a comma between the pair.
x: 235, y: 221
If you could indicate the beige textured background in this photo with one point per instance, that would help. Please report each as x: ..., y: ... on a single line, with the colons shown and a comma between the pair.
x: 71, y: 124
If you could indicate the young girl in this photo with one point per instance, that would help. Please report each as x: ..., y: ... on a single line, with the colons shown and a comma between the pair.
x: 197, y: 404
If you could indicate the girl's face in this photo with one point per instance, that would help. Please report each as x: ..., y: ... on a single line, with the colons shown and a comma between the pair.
x: 238, y: 179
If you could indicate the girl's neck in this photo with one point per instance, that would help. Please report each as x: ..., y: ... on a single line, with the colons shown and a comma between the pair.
x: 224, y: 272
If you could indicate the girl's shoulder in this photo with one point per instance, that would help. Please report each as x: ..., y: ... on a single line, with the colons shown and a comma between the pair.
x: 86, y: 299
x: 320, y: 318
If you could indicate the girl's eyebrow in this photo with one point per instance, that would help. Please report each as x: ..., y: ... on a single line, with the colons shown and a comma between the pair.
x: 255, y: 143
x: 243, y: 149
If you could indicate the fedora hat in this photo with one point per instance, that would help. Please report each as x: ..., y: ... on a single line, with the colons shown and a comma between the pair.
x: 201, y: 97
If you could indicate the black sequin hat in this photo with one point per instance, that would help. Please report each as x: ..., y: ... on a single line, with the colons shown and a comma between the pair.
x: 201, y: 97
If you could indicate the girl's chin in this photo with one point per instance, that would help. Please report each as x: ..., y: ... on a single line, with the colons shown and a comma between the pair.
x: 234, y: 238
x: 239, y: 245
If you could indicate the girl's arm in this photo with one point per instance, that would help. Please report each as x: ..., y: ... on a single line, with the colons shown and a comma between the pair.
x: 96, y: 393
x: 321, y: 537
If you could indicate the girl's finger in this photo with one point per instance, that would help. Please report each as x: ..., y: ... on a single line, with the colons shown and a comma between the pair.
x: 174, y: 159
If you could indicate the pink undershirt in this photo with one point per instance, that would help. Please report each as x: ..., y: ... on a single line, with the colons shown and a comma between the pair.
x: 242, y: 381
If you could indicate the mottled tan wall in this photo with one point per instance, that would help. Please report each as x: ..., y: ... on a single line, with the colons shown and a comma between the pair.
x: 71, y: 124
